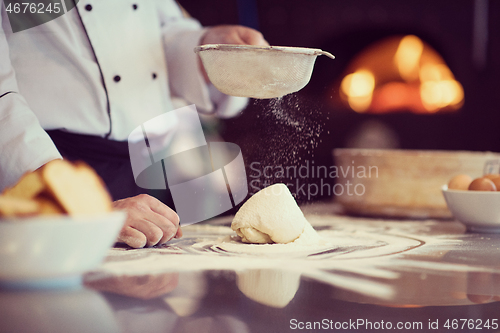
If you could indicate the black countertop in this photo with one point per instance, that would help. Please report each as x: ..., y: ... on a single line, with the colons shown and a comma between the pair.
x: 370, y: 275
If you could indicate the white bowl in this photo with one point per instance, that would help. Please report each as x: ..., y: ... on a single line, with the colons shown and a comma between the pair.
x: 55, y: 250
x: 478, y: 210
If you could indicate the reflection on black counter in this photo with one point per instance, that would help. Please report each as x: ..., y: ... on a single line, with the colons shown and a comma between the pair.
x: 379, y: 272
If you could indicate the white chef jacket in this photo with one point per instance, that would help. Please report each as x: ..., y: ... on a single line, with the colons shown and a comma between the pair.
x: 100, y: 69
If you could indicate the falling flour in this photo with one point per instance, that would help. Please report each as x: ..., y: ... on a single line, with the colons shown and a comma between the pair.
x: 291, y: 134
x: 297, y: 124
x: 273, y: 216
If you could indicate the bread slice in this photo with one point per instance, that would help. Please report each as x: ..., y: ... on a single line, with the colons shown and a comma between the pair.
x: 12, y: 206
x: 29, y: 186
x: 76, y: 187
x: 48, y: 205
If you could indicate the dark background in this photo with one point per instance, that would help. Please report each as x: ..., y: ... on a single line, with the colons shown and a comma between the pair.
x: 306, y: 126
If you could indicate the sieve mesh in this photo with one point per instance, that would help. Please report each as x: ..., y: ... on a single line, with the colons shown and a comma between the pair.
x: 258, y: 72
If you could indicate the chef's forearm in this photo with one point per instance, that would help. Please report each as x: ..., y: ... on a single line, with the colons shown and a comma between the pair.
x: 24, y: 145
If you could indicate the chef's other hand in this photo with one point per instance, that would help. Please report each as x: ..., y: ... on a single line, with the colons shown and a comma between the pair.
x: 233, y: 34
x: 149, y: 221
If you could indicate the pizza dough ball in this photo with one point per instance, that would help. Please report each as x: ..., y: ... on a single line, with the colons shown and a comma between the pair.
x: 270, y: 216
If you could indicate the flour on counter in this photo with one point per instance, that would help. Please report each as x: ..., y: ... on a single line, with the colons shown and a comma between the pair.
x: 362, y: 249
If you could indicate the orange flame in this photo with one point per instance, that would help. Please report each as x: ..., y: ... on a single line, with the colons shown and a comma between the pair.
x: 400, y: 73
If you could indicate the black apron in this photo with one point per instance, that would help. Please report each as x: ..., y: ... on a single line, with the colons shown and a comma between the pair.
x: 109, y: 158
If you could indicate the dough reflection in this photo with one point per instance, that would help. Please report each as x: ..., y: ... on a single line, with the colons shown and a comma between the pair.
x: 274, y: 288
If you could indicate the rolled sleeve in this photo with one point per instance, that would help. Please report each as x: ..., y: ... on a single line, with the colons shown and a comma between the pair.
x: 25, y: 146
x: 185, y: 77
x: 180, y: 36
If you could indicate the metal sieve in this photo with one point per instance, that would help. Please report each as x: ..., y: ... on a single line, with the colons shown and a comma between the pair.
x: 258, y: 71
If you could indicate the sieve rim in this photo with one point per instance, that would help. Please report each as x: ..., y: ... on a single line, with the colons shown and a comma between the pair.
x: 285, y: 49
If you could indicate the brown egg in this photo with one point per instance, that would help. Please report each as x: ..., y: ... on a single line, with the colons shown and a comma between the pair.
x: 460, y: 182
x: 492, y: 176
x: 482, y: 184
x: 496, y: 181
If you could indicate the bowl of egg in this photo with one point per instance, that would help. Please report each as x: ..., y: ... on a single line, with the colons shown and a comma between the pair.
x: 475, y: 202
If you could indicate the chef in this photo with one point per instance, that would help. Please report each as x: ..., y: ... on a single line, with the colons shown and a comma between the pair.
x: 75, y: 87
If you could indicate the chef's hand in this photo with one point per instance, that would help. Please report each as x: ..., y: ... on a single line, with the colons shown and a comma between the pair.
x: 231, y: 34
x: 139, y: 286
x: 149, y: 221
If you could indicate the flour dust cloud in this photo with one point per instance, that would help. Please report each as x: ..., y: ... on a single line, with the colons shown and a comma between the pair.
x: 291, y: 134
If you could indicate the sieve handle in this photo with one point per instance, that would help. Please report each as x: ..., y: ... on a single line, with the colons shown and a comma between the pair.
x: 328, y: 54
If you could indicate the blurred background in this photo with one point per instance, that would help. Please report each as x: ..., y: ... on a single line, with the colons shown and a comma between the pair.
x: 411, y: 74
